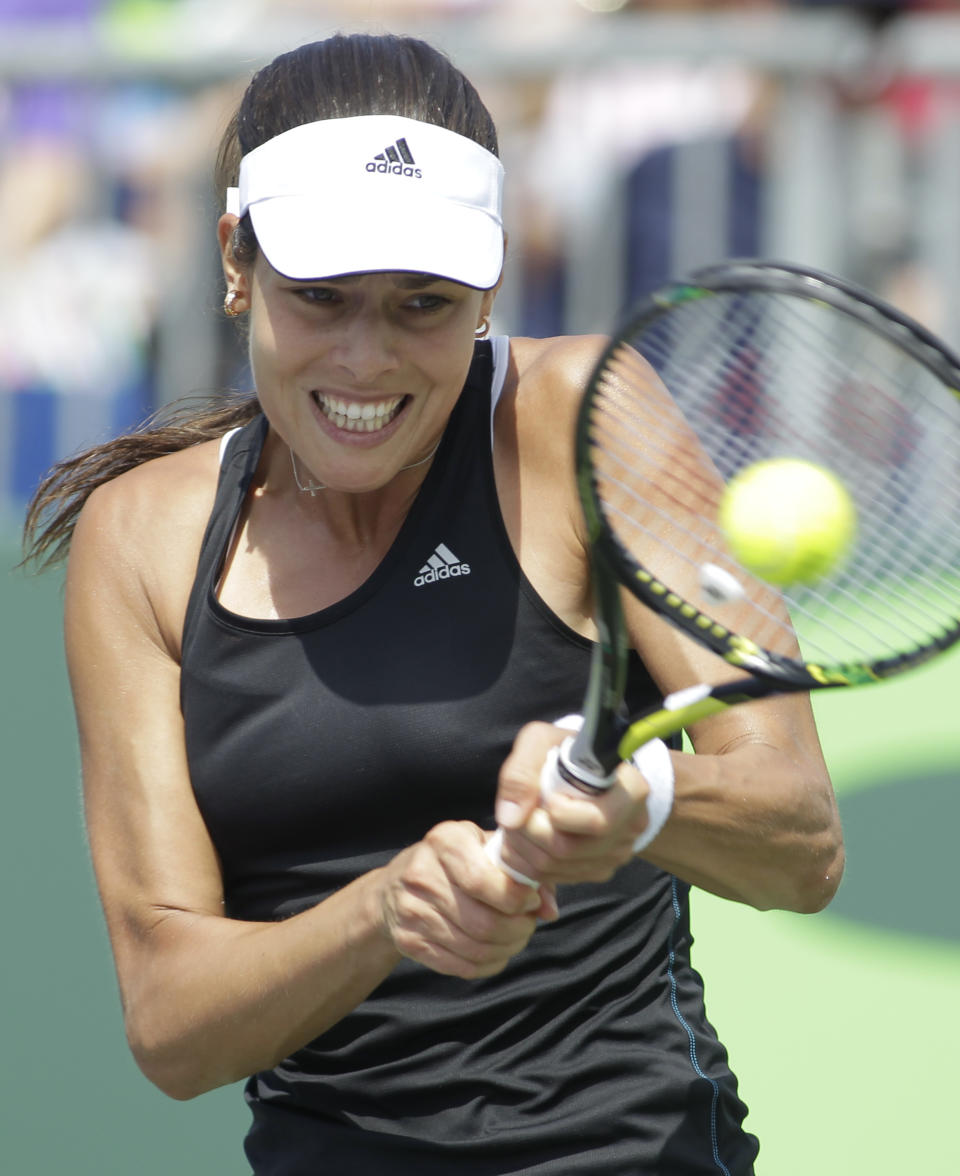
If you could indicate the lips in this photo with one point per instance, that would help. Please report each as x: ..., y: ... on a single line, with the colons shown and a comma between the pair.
x: 359, y: 416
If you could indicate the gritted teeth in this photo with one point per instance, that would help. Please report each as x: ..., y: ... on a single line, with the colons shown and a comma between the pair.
x: 359, y: 416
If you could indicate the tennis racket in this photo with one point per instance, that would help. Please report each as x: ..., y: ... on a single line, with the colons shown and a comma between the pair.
x: 743, y: 362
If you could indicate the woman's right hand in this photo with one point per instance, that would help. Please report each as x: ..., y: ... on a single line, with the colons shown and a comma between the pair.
x: 448, y: 907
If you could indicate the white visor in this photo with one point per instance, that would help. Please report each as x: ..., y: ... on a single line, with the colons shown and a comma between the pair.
x: 372, y: 194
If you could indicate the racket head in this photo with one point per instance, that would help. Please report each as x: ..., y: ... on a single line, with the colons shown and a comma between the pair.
x: 765, y: 360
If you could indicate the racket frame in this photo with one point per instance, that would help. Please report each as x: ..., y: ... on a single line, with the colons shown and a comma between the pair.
x: 771, y: 673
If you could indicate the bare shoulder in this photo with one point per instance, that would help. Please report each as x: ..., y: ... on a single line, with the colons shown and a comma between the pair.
x: 550, y: 376
x: 138, y: 537
x: 558, y: 367
x: 162, y: 486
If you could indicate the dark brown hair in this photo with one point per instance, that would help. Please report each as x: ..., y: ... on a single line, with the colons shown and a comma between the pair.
x: 344, y: 77
x: 341, y: 77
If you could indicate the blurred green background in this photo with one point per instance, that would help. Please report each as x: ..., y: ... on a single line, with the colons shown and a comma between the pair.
x: 841, y: 1026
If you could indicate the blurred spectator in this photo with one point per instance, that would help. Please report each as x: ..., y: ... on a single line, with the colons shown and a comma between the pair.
x: 92, y: 183
x: 895, y: 119
x: 627, y: 120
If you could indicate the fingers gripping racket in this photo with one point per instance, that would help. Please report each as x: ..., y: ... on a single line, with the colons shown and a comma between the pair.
x: 744, y: 362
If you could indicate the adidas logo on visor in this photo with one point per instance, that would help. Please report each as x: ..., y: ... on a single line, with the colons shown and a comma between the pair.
x: 442, y: 565
x: 395, y: 160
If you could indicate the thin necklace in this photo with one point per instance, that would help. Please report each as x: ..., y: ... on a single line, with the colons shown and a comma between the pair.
x: 312, y: 487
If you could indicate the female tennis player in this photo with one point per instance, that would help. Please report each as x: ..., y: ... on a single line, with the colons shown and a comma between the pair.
x: 304, y: 630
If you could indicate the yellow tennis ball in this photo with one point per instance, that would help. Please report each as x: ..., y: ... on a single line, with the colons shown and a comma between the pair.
x: 788, y: 521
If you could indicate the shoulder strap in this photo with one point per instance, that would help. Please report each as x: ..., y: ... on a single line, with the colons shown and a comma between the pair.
x: 239, y: 455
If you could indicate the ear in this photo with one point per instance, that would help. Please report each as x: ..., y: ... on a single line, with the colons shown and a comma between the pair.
x: 236, y: 275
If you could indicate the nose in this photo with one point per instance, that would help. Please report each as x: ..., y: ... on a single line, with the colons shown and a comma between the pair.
x: 365, y: 346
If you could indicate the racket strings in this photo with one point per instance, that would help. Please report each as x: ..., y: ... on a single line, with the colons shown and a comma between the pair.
x: 876, y: 559
x: 660, y: 501
x: 887, y: 492
x: 776, y: 633
x: 857, y: 433
x: 885, y: 487
x: 757, y: 376
x: 875, y: 436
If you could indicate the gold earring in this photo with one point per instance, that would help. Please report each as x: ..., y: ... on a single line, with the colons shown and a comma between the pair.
x: 483, y: 328
x: 230, y: 308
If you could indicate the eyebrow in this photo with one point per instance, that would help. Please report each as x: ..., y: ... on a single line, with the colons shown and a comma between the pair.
x: 418, y: 281
x: 404, y: 281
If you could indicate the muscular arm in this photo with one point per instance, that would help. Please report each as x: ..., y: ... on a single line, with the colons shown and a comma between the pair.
x: 754, y: 818
x: 208, y: 999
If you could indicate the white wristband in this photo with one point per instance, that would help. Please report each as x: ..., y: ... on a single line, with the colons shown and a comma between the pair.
x: 653, y: 761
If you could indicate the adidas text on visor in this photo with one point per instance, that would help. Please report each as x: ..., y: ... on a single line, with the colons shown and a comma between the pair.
x: 373, y: 194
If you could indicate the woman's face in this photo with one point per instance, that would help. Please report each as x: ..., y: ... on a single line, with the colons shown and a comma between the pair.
x: 358, y: 375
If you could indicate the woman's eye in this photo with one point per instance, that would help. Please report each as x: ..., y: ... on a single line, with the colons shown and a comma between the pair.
x: 429, y: 302
x: 315, y: 294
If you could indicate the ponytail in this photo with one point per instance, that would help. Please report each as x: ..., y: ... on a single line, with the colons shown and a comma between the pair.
x: 54, y: 508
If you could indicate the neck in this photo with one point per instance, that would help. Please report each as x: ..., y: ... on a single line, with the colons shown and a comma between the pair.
x: 353, y: 520
x: 313, y: 488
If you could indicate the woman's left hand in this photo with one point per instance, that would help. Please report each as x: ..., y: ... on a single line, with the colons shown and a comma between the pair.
x: 565, y: 837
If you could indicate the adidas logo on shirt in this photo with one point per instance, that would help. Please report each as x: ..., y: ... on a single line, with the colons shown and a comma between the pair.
x: 395, y: 160
x: 442, y: 565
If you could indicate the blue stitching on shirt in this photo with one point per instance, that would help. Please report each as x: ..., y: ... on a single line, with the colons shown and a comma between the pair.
x: 693, y: 1045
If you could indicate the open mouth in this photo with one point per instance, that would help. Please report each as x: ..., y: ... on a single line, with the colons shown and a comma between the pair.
x: 357, y: 416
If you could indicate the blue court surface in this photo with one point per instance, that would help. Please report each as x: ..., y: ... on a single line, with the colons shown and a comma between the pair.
x: 842, y: 1026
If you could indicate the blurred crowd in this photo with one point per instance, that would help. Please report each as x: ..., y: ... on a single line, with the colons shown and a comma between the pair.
x: 105, y: 203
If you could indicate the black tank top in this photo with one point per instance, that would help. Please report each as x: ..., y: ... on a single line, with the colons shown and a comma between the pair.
x: 320, y: 746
